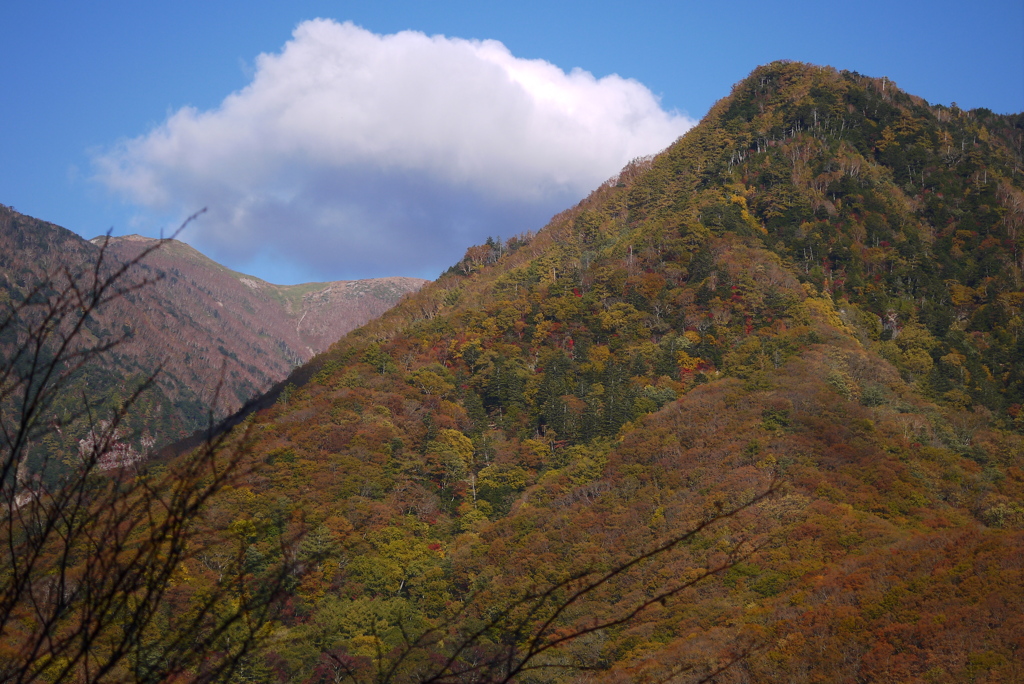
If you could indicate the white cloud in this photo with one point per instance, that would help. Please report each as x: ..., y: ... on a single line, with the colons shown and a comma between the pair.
x: 354, y: 154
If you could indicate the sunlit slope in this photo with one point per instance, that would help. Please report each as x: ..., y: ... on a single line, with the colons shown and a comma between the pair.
x: 819, y: 284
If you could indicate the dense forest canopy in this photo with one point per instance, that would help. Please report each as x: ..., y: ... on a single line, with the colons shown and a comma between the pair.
x: 821, y: 282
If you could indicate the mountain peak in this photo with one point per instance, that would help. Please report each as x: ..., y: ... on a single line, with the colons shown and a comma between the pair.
x: 134, y: 237
x: 820, y: 284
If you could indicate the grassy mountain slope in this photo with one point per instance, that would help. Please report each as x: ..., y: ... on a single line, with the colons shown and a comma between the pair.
x: 820, y: 283
x: 196, y: 321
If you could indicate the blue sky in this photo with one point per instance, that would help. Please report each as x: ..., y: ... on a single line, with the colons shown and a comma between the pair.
x: 93, y: 134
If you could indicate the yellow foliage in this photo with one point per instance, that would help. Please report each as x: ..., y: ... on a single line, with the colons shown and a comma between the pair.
x: 243, y: 529
x: 455, y: 443
x: 542, y: 450
x: 685, y: 361
x: 502, y: 476
x: 822, y: 308
x: 598, y: 356
x: 430, y: 382
x: 366, y: 646
x: 542, y: 329
x: 954, y: 358
x: 585, y: 464
x: 888, y: 138
x: 623, y: 319
x: 961, y: 294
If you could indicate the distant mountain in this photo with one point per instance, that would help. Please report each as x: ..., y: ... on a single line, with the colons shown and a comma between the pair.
x: 201, y: 323
x: 302, y: 320
x: 820, y: 284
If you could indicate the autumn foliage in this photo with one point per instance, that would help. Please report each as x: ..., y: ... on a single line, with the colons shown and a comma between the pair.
x: 819, y: 285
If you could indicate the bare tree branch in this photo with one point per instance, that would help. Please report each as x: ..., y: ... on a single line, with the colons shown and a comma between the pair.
x: 93, y: 542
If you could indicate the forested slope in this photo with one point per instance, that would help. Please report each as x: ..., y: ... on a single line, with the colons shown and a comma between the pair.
x: 818, y: 285
x: 219, y: 338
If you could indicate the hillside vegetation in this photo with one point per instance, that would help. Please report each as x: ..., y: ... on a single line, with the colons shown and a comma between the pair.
x: 818, y: 285
x: 219, y: 338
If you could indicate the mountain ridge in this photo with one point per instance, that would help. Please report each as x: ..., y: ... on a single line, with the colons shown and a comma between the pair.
x: 219, y: 337
x: 330, y: 302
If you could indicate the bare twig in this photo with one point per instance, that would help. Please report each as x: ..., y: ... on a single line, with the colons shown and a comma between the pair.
x: 92, y: 545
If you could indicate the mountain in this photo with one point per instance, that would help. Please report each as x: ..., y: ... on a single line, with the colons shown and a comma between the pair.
x: 202, y: 324
x: 819, y: 285
x: 750, y: 412
x: 303, y: 320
